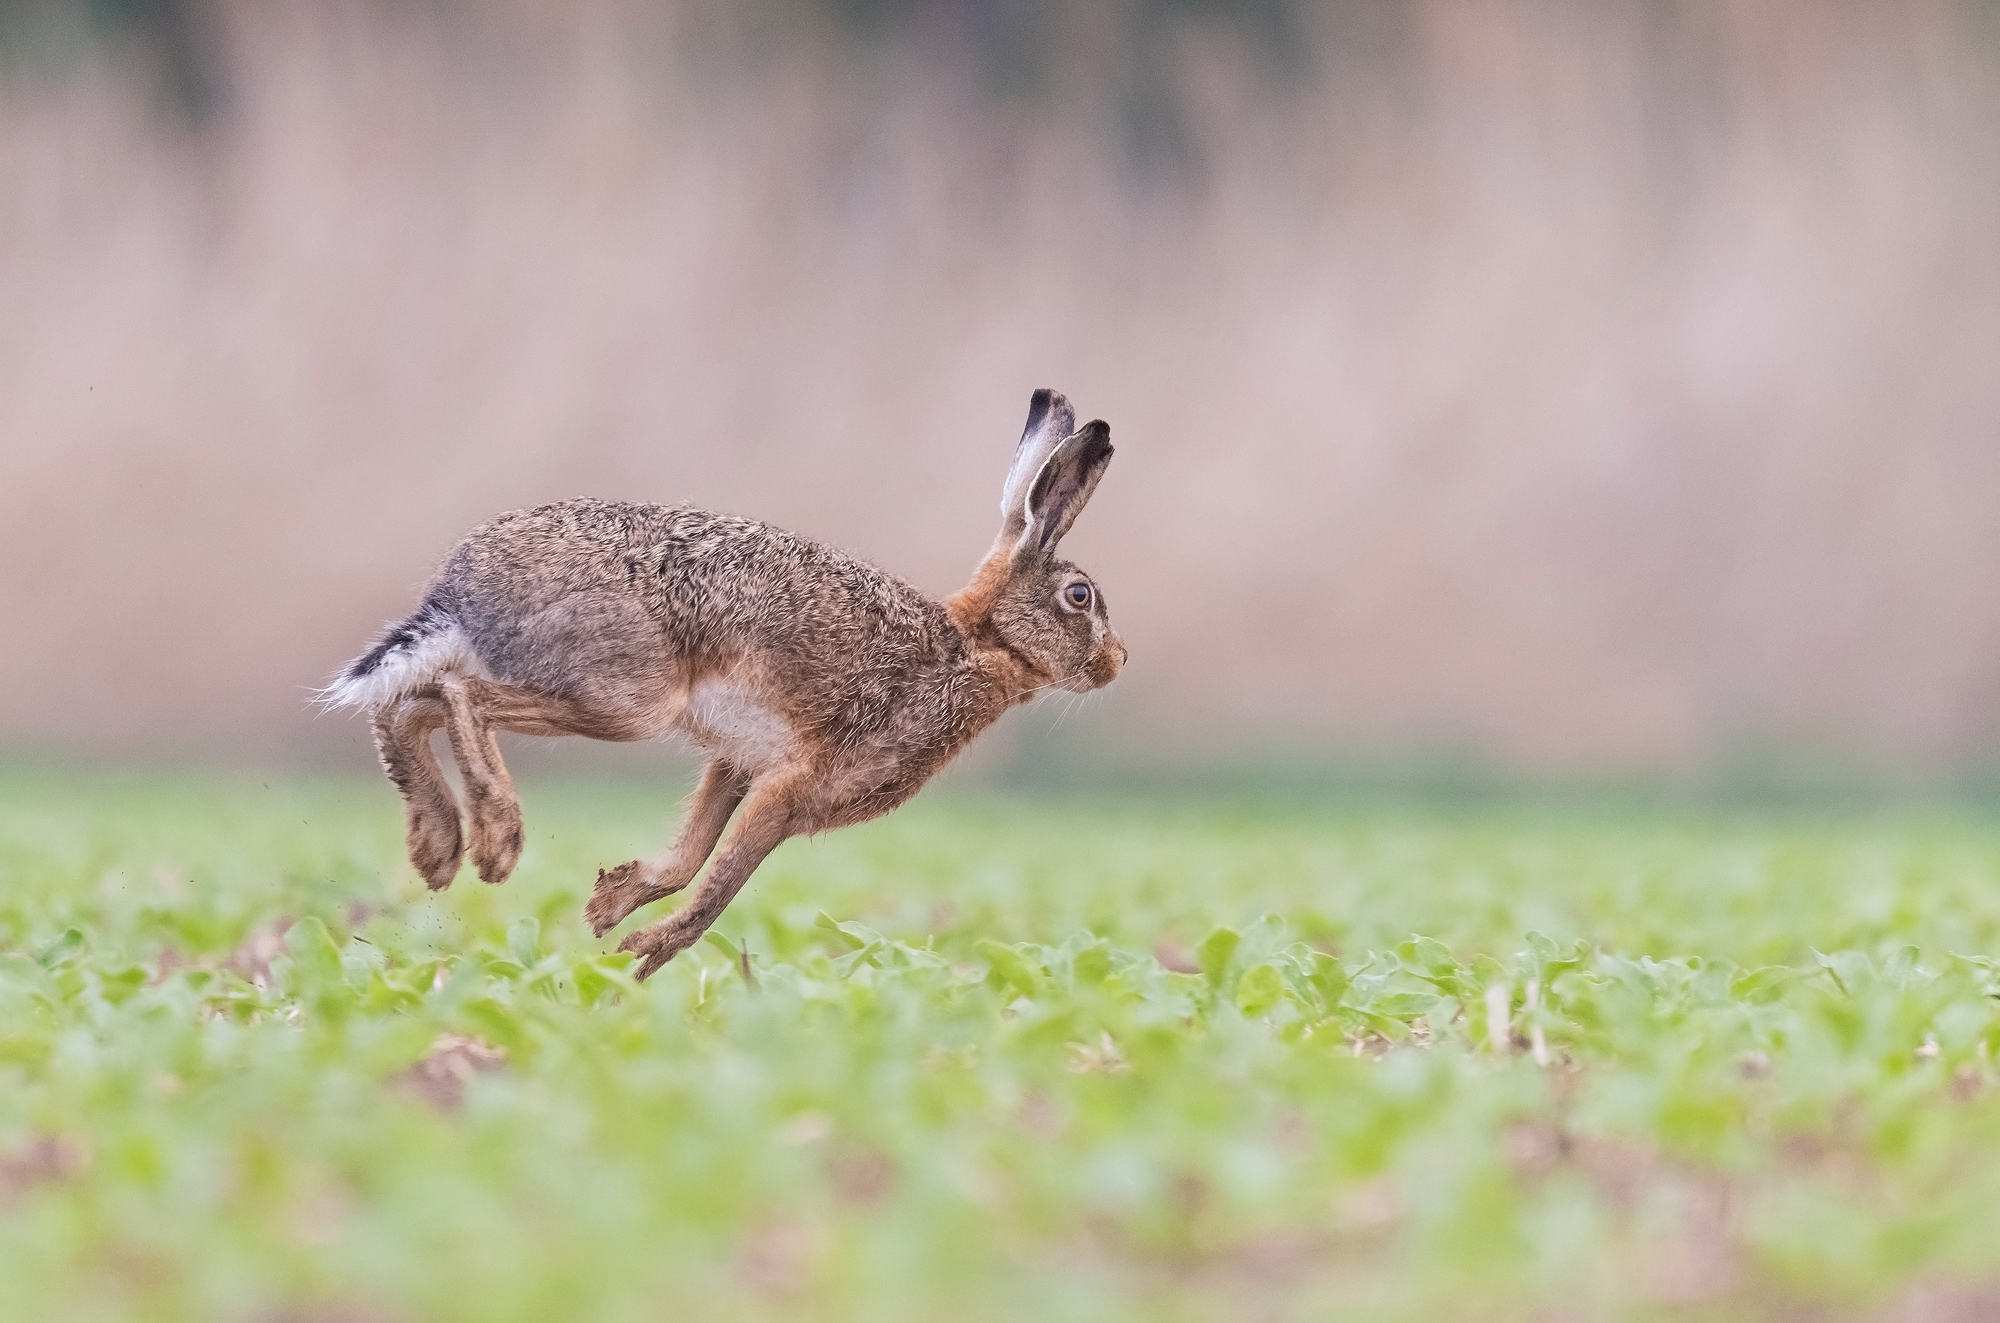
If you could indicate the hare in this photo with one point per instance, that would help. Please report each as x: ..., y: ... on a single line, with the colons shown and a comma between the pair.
x: 825, y: 691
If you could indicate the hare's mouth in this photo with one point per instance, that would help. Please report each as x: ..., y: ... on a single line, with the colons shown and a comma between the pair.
x: 1103, y: 669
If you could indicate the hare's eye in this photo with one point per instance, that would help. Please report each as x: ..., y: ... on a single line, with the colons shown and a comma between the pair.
x: 1078, y: 595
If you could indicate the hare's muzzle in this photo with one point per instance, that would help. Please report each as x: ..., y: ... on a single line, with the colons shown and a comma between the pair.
x: 1105, y: 665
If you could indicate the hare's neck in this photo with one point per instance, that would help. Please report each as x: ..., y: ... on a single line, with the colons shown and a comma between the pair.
x: 993, y: 678
x: 996, y: 677
x: 997, y: 666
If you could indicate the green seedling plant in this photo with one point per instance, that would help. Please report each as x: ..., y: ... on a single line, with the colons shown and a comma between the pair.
x: 995, y: 1059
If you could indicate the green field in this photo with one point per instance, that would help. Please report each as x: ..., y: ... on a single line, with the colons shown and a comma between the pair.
x: 997, y: 1058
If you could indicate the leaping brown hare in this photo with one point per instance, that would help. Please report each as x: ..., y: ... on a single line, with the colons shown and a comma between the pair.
x: 825, y: 691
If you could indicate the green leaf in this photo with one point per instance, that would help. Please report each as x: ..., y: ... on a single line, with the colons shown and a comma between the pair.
x: 1010, y: 967
x: 1214, y: 953
x: 314, y: 955
x: 120, y: 984
x: 61, y: 949
x: 319, y: 977
x: 1260, y: 990
x: 1852, y: 970
x: 1428, y: 955
x: 1764, y: 985
x: 1989, y: 972
x: 524, y: 941
x: 1432, y: 961
x: 1546, y: 961
x: 838, y: 932
x: 1330, y: 978
x: 1092, y: 965
x: 1405, y: 1005
x: 595, y: 979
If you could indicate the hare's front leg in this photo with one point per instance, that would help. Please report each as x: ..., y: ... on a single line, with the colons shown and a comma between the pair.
x: 770, y: 815
x: 625, y: 888
x: 492, y: 804
x: 403, y: 738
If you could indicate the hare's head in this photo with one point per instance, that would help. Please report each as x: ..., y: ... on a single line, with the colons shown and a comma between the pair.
x: 1047, y: 613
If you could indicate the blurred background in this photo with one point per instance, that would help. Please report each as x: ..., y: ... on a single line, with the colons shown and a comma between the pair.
x: 1567, y: 388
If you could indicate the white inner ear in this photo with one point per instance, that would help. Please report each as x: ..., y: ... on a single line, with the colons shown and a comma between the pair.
x: 1028, y: 464
x: 1013, y: 490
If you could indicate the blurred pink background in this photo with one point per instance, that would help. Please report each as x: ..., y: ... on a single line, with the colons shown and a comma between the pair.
x: 1590, y: 387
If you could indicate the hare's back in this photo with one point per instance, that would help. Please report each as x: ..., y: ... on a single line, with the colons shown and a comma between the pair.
x: 562, y: 597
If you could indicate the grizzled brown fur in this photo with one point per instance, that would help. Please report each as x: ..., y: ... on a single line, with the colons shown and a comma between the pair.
x: 825, y: 690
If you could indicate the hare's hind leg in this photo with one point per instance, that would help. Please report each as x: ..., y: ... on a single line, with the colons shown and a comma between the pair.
x: 492, y: 805
x: 770, y: 815
x: 403, y: 738
x: 625, y: 888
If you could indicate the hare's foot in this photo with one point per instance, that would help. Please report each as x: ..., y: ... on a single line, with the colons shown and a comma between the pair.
x: 436, y: 846
x: 402, y: 737
x: 623, y: 889
x: 656, y: 945
x: 613, y: 897
x: 497, y: 836
x: 492, y: 806
x: 769, y: 818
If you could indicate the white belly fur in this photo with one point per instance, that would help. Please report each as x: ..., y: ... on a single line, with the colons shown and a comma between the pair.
x: 727, y: 721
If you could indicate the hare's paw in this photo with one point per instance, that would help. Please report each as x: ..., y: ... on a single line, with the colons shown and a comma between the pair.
x: 619, y: 891
x: 497, y: 837
x: 436, y: 847
x: 656, y: 945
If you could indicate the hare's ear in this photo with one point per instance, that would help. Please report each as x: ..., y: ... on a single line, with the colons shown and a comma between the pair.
x: 1064, y: 485
x: 1050, y: 419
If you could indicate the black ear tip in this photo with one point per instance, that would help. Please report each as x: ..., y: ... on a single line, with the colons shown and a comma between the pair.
x: 1038, y: 408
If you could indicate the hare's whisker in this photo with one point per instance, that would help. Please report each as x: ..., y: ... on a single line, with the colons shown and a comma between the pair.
x: 1051, y: 684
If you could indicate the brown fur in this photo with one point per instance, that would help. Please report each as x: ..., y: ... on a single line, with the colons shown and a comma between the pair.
x: 403, y: 738
x: 827, y: 690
